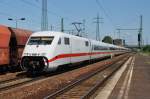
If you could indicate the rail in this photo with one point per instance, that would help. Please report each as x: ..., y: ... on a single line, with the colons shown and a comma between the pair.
x: 80, y: 88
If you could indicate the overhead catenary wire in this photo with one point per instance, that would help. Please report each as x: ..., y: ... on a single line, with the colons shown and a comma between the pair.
x: 105, y: 12
x: 32, y: 4
x: 36, y: 6
x: 48, y: 11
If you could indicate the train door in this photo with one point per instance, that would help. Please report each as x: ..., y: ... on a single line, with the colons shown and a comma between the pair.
x: 13, y: 50
x: 75, y: 48
x: 90, y: 49
x: 67, y: 50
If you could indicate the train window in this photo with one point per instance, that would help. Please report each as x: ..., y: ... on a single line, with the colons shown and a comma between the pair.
x: 59, y: 42
x: 40, y: 40
x: 66, y: 41
x: 97, y: 47
x: 111, y: 48
x: 86, y: 43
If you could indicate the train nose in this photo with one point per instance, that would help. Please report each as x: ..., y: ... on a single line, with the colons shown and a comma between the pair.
x: 34, y: 64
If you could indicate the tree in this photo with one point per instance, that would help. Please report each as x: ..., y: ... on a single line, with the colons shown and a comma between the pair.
x: 107, y: 39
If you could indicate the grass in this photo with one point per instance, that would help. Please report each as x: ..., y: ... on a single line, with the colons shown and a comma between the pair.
x: 145, y: 53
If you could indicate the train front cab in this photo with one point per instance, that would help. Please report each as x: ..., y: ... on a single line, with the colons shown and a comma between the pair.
x: 64, y: 49
x: 37, y: 52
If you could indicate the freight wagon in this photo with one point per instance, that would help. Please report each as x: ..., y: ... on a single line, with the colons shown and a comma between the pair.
x: 12, y: 42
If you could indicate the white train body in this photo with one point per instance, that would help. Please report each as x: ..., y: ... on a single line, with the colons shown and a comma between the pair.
x: 47, y: 50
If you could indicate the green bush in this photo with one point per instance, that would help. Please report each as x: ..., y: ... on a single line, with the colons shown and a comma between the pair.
x: 146, y: 48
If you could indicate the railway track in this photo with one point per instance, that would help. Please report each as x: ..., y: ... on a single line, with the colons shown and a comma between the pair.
x: 9, y: 80
x: 13, y: 83
x: 9, y: 76
x: 18, y: 81
x: 87, y: 85
x: 21, y: 80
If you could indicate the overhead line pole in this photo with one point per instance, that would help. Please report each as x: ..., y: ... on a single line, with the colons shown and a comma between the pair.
x: 44, y: 19
x: 119, y: 30
x: 140, y: 33
x: 62, y: 25
x: 83, y: 30
x: 97, y: 27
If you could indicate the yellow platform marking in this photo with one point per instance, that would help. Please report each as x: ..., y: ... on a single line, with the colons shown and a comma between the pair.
x: 148, y: 62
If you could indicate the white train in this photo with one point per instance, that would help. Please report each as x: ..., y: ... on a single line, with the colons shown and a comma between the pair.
x: 47, y: 50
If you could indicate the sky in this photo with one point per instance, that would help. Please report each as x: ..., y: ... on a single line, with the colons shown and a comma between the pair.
x: 114, y: 13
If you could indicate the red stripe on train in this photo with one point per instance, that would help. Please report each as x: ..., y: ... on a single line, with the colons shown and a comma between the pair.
x: 75, y: 55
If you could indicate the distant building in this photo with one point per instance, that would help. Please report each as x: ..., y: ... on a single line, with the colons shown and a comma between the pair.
x: 119, y: 42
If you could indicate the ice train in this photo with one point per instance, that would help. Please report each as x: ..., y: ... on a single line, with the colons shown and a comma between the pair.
x: 47, y: 50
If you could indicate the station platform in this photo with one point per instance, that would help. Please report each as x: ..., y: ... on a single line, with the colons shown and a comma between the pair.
x: 133, y: 83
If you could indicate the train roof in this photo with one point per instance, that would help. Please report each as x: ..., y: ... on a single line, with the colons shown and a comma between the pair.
x: 54, y: 33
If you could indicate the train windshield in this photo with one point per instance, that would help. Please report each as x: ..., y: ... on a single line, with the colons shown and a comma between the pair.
x: 40, y: 40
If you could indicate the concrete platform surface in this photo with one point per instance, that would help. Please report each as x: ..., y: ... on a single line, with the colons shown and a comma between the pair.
x: 134, y: 83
